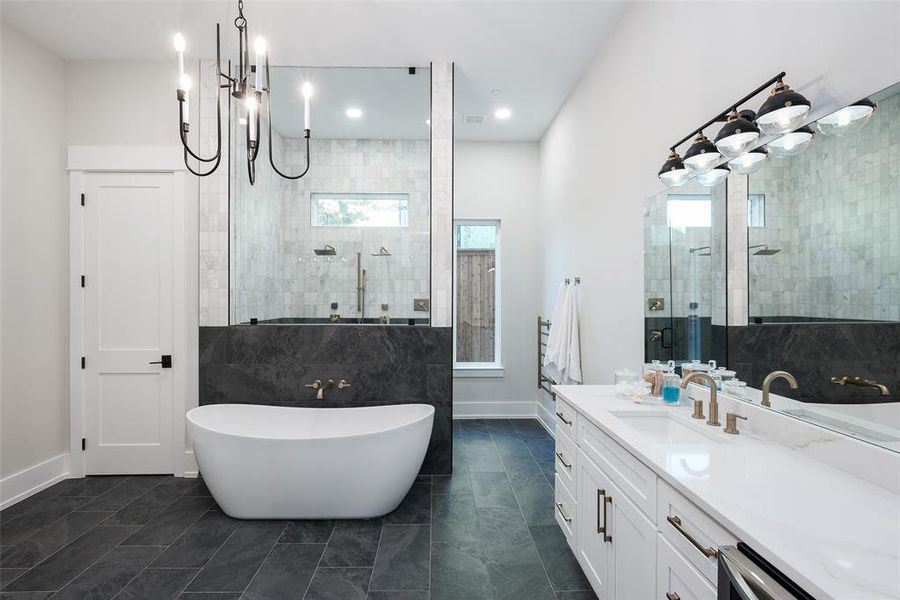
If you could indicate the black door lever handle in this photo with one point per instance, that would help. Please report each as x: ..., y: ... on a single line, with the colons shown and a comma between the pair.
x: 165, y: 361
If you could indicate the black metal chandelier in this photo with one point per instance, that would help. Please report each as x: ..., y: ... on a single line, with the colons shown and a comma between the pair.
x: 251, y: 94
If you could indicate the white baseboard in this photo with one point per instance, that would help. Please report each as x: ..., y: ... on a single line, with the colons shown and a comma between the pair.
x: 32, y: 480
x: 494, y: 410
x: 190, y: 468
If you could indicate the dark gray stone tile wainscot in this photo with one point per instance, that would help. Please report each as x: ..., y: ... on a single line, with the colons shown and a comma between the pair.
x: 270, y: 364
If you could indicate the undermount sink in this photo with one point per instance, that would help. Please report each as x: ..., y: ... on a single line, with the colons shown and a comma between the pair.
x: 662, y: 428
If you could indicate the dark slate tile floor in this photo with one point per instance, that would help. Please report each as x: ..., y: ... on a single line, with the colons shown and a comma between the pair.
x: 485, y: 532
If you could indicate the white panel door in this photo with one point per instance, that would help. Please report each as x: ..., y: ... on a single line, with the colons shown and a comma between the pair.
x: 128, y: 322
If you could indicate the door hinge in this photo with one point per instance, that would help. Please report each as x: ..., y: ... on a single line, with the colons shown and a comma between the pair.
x: 83, y: 362
x: 83, y: 444
x: 82, y: 199
x: 82, y: 281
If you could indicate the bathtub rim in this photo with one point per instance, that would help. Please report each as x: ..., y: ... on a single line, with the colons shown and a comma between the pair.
x: 428, y: 415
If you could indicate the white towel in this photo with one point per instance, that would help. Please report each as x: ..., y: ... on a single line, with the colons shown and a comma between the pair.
x: 572, y: 370
x: 556, y: 339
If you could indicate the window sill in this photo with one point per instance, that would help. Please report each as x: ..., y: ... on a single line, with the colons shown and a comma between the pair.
x: 473, y: 372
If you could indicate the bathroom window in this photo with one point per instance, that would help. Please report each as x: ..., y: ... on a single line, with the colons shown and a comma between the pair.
x: 689, y: 210
x: 756, y: 210
x: 359, y: 210
x: 477, y: 306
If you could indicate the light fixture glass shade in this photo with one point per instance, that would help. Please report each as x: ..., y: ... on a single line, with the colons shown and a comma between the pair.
x: 791, y: 144
x: 748, y: 163
x: 673, y: 172
x: 737, y: 135
x: 783, y: 111
x: 848, y: 119
x: 702, y: 155
x: 713, y: 177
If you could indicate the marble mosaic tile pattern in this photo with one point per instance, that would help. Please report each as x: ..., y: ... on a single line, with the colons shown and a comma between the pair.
x: 834, y: 212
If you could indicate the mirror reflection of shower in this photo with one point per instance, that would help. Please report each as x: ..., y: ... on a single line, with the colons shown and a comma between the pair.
x: 764, y: 250
x: 693, y: 312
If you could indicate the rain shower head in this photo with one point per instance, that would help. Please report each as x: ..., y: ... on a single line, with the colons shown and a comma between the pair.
x: 699, y: 251
x: 382, y: 252
x: 764, y: 250
x: 328, y: 250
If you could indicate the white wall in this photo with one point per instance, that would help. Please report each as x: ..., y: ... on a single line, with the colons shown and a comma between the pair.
x: 500, y: 181
x: 128, y: 103
x: 666, y: 68
x: 35, y: 250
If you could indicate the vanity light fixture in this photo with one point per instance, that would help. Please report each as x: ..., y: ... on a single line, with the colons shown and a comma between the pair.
x: 748, y: 163
x: 714, y: 176
x: 848, y: 119
x: 791, y: 144
x: 783, y: 110
x: 249, y: 89
x: 702, y: 155
x: 673, y: 172
x: 741, y: 131
x: 738, y: 134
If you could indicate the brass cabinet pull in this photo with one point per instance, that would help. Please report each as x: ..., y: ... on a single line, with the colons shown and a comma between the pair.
x: 603, y: 499
x: 676, y: 523
x: 563, y: 417
x: 562, y: 459
x: 565, y: 517
x: 672, y: 596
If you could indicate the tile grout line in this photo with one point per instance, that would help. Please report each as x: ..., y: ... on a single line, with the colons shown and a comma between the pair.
x: 268, y: 554
x: 377, y: 548
x: 211, y: 556
x: 318, y: 564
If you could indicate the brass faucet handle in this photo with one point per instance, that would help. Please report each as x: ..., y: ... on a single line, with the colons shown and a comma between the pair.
x: 698, y: 409
x: 343, y: 384
x: 731, y: 423
x: 315, y: 384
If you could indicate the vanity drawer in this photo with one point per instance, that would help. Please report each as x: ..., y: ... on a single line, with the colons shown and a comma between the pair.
x: 565, y: 512
x: 676, y: 577
x: 566, y: 418
x: 696, y: 536
x: 635, y: 479
x: 565, y: 463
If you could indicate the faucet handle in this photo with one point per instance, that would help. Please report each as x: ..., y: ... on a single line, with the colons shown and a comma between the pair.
x: 731, y: 422
x: 315, y: 384
x: 342, y: 384
x: 698, y: 409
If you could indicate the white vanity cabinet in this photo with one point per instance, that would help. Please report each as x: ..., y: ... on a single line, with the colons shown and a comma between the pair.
x: 634, y: 535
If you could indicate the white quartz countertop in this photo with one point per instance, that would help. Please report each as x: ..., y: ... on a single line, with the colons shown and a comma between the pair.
x: 834, y: 534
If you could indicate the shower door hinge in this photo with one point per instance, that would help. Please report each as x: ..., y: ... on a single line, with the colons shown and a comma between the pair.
x: 82, y: 281
x: 83, y: 444
x: 82, y: 199
x: 83, y: 361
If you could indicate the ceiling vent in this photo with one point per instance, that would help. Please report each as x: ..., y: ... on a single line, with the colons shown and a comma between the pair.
x: 473, y: 119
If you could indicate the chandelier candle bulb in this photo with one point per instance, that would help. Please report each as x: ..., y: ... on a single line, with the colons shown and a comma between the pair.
x: 184, y: 84
x: 307, y: 94
x: 260, y: 45
x: 179, y: 48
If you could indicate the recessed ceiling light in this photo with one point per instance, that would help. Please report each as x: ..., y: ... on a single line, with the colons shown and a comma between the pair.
x: 353, y: 113
x: 503, y: 113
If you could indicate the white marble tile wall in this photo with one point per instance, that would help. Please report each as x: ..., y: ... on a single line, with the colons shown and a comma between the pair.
x: 312, y: 283
x: 736, y: 244
x: 442, y: 194
x: 213, y: 190
x: 835, y: 213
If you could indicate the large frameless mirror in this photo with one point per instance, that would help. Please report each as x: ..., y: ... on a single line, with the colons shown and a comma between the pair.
x: 350, y: 241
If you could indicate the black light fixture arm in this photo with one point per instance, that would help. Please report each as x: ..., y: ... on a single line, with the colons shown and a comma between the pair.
x: 183, y: 127
x: 306, y: 132
x: 722, y: 116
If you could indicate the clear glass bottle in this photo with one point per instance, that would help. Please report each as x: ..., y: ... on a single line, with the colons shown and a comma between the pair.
x: 653, y: 373
x: 671, y: 386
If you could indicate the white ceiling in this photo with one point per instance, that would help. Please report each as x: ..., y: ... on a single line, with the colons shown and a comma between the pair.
x: 534, y: 51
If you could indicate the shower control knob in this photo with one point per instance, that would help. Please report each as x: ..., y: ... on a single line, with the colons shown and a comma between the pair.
x: 342, y: 384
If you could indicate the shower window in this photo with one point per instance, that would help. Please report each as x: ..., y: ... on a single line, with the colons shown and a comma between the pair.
x: 689, y: 210
x: 477, y: 306
x: 756, y: 210
x: 359, y: 210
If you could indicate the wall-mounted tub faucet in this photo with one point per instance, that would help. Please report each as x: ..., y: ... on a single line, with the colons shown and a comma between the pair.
x: 857, y: 380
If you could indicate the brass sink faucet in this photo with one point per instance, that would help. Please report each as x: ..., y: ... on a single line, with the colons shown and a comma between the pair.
x: 713, y: 398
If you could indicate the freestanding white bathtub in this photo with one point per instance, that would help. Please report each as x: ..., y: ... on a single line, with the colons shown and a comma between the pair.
x: 272, y: 462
